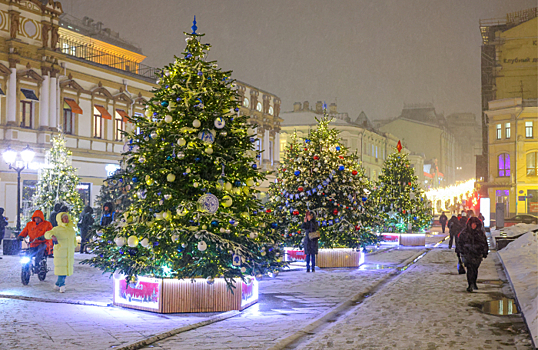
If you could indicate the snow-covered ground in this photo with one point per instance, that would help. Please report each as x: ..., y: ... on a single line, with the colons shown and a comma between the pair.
x: 515, y: 230
x: 521, y: 262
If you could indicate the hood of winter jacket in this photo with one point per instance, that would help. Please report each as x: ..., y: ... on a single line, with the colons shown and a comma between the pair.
x: 38, y: 214
x: 88, y: 209
x: 1, y: 211
x: 476, y: 221
x: 57, y: 207
x: 61, y: 223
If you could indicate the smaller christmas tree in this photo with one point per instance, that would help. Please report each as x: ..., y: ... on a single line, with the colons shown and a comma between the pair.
x: 399, y: 198
x: 58, y: 181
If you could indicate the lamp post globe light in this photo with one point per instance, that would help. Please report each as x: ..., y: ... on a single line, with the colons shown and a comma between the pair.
x: 10, y: 157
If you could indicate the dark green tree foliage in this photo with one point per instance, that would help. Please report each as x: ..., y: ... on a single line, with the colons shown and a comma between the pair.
x: 318, y: 174
x: 399, y: 198
x: 192, y: 170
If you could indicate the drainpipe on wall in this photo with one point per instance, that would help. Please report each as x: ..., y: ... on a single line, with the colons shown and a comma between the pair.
x: 515, y: 156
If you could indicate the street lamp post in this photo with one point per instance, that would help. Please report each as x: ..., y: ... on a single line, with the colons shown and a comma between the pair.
x: 10, y: 157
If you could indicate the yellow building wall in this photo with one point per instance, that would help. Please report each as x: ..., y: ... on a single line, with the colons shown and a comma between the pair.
x: 518, y: 58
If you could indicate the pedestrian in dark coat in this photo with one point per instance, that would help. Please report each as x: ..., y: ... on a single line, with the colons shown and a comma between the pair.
x: 55, y: 211
x: 3, y: 224
x: 108, y: 214
x: 84, y: 225
x: 463, y: 220
x: 472, y: 245
x: 453, y: 229
x: 442, y: 220
x: 310, y: 245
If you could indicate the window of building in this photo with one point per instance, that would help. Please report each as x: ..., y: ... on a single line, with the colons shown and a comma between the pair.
x: 532, y: 168
x: 528, y: 129
x: 372, y: 154
x: 246, y: 102
x: 119, y: 126
x: 27, y: 112
x: 507, y: 130
x: 271, y: 152
x: 375, y: 152
x: 504, y: 165
x: 499, y: 131
x: 68, y: 121
x: 259, y: 107
x: 97, y: 124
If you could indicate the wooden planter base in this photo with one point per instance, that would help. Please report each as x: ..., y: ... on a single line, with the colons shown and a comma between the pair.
x: 405, y: 239
x: 174, y: 296
x: 336, y: 257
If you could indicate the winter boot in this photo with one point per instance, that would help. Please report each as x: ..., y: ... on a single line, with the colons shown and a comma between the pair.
x: 308, y: 269
x: 470, y: 289
x: 62, y: 289
x: 475, y: 287
x: 313, y: 269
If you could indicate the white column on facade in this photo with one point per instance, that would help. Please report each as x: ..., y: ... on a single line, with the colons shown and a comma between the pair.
x: 277, y: 147
x: 266, y: 144
x: 53, y: 122
x: 12, y: 97
x: 44, y: 102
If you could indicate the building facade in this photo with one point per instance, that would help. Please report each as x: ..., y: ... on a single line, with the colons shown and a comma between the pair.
x: 468, y: 134
x: 423, y: 130
x: 510, y: 95
x: 358, y: 134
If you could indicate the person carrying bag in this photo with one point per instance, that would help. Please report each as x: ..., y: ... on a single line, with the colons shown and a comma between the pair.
x: 310, y: 240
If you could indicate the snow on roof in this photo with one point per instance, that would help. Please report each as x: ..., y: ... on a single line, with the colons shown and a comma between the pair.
x: 309, y: 118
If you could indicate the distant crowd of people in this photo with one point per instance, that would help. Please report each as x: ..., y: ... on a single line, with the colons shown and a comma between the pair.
x: 468, y: 234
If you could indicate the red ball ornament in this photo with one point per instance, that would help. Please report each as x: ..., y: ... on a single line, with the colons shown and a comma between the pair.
x: 403, y: 211
x: 268, y: 211
x: 409, y: 183
x: 284, y: 169
x: 354, y: 172
x: 335, y: 211
x: 316, y: 157
x: 300, y: 189
x: 341, y: 157
x: 305, y: 149
x: 296, y: 212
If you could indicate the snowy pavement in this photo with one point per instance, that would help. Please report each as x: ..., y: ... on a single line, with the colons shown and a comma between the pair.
x: 422, y: 307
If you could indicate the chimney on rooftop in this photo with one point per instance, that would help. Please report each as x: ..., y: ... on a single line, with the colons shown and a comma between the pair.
x: 297, y: 107
x: 306, y: 106
x: 332, y: 108
x: 319, y: 107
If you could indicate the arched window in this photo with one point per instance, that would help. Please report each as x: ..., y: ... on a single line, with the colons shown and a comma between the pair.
x: 504, y: 165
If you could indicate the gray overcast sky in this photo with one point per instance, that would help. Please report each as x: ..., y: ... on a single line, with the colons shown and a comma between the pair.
x: 369, y: 55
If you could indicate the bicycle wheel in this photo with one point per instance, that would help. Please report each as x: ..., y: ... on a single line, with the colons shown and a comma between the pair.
x: 42, y: 274
x: 25, y: 274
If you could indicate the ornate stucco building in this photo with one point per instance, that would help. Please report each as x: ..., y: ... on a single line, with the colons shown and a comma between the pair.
x: 358, y: 134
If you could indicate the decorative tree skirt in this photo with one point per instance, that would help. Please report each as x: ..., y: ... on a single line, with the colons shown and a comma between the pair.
x: 405, y: 239
x: 336, y: 257
x: 171, y: 295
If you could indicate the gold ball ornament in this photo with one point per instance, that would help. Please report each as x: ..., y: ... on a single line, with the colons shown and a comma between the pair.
x: 145, y: 243
x: 250, y: 182
x: 148, y: 113
x: 209, y: 150
x: 181, y: 141
x: 168, y: 119
x: 228, y: 186
x: 246, y: 190
x: 196, y: 123
x: 170, y: 177
x: 226, y: 201
x: 132, y: 241
x: 149, y: 182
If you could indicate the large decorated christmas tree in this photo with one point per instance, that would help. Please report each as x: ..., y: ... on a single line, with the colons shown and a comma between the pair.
x: 320, y: 175
x: 192, y: 171
x: 399, y: 198
x: 58, y: 181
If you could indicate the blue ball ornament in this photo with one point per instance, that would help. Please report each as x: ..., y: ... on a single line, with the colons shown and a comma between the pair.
x: 231, y: 222
x: 364, y: 199
x: 167, y: 86
x: 214, y: 223
x: 274, y: 225
x: 341, y: 168
x: 178, y: 99
x: 237, y: 183
x: 307, y: 141
x: 414, y: 217
x: 135, y: 179
x: 197, y: 159
x: 236, y: 109
x: 200, y: 74
x: 338, y: 148
x: 154, y: 114
x: 155, y: 244
x: 254, y: 166
x: 189, y: 55
x: 297, y: 172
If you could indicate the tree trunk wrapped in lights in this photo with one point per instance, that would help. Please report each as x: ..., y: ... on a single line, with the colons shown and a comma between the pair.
x: 192, y: 171
x: 318, y: 174
x: 399, y: 198
x: 58, y: 181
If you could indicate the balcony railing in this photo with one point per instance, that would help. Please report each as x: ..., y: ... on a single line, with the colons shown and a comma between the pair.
x: 91, y: 54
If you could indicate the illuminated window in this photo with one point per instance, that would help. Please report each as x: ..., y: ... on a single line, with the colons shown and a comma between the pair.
x: 532, y: 165
x: 119, y: 127
x: 246, y: 102
x: 499, y: 131
x: 507, y: 130
x: 504, y: 165
x: 271, y: 110
x: 259, y: 107
x: 26, y: 114
x: 376, y: 152
x: 528, y: 129
x: 97, y: 124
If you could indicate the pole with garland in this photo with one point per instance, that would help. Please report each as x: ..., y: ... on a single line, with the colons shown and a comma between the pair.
x: 58, y: 181
x: 192, y: 171
x: 318, y: 174
x: 400, y: 200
